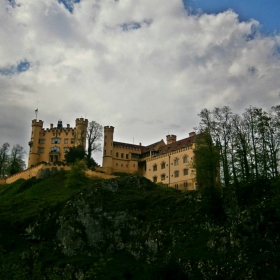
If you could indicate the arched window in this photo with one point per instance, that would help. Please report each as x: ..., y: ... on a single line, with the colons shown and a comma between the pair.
x: 176, y: 174
x: 185, y: 159
x: 55, y: 149
x: 176, y: 161
x: 162, y: 165
x: 162, y: 177
x: 155, y: 179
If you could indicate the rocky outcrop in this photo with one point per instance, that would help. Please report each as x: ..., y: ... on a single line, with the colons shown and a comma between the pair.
x: 114, y: 228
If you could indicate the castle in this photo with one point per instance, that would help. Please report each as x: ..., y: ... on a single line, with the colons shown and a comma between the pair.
x: 168, y: 163
x: 50, y: 144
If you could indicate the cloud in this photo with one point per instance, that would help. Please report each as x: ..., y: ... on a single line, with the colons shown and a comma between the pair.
x: 145, y: 67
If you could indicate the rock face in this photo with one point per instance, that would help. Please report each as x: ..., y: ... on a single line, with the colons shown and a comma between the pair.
x: 129, y: 228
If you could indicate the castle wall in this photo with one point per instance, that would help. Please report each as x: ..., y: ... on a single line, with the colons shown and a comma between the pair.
x: 174, y: 169
x: 31, y: 172
x: 125, y: 159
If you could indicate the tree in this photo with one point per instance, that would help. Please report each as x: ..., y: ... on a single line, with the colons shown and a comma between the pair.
x: 75, y: 154
x: 206, y: 161
x: 16, y: 162
x: 94, y: 135
x: 4, y: 158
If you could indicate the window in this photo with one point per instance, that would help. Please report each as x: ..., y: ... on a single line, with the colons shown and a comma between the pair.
x: 155, y: 167
x: 162, y: 165
x: 121, y: 155
x: 72, y: 141
x: 185, y: 185
x: 65, y: 141
x: 42, y: 141
x: 155, y: 179
x: 176, y: 161
x: 162, y: 177
x: 117, y: 164
x: 126, y: 156
x: 185, y: 159
x: 55, y: 149
x: 104, y: 152
x: 176, y: 186
x: 117, y: 154
x: 55, y: 140
x: 65, y: 149
x: 186, y: 171
x: 176, y: 173
x: 41, y: 150
x: 104, y: 143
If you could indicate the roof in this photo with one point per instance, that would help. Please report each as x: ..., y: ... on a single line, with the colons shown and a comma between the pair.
x: 180, y: 144
x: 160, y: 146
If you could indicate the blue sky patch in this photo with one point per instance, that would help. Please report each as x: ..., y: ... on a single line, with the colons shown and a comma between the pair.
x: 69, y: 4
x: 15, y: 69
x: 12, y: 3
x: 130, y: 26
x: 266, y: 12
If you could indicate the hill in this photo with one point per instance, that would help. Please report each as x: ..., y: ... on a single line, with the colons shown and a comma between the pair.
x: 130, y: 228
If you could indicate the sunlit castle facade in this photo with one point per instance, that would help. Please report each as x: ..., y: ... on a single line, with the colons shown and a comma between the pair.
x: 50, y: 144
x: 169, y: 163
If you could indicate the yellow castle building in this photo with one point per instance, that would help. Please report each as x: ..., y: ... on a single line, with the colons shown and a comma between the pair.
x: 169, y: 163
x: 50, y: 144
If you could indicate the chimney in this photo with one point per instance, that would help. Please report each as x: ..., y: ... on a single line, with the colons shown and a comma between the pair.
x: 170, y: 139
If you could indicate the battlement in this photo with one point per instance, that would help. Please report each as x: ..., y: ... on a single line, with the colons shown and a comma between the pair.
x: 81, y: 121
x: 108, y: 128
x: 37, y: 123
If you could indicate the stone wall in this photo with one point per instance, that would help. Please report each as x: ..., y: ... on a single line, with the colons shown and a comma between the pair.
x: 29, y: 173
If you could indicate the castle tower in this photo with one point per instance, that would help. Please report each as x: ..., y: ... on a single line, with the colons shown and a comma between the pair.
x: 81, y: 132
x: 108, y: 149
x: 170, y: 139
x: 34, y: 142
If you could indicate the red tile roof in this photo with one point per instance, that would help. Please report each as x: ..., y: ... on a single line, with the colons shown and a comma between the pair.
x: 162, y: 149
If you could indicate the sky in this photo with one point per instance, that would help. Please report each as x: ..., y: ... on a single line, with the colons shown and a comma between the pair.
x: 145, y: 67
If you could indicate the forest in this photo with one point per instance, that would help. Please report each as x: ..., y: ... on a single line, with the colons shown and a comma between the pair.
x: 241, y: 147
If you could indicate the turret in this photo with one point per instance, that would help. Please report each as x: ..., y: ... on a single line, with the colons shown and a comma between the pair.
x: 108, y: 148
x: 34, y: 141
x: 59, y: 125
x: 81, y: 132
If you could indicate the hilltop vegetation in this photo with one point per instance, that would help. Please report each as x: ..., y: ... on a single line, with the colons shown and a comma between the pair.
x: 130, y: 228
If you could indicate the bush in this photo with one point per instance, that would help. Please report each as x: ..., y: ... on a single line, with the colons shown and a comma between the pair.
x: 76, y: 177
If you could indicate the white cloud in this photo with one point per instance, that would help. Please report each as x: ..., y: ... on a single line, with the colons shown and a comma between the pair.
x: 146, y: 82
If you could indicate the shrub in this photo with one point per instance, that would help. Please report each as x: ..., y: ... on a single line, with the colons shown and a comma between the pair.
x: 76, y: 177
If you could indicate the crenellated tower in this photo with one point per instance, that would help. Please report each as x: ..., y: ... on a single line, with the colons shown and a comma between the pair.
x: 81, y: 132
x: 37, y: 127
x: 108, y: 148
